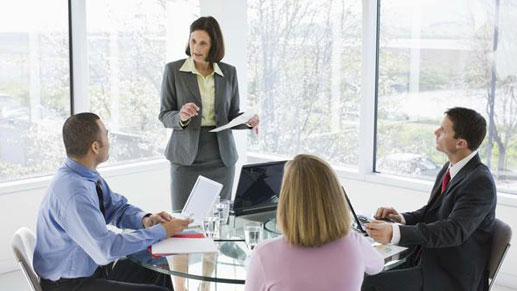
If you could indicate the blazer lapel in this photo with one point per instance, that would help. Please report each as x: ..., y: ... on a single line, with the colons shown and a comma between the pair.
x: 219, y: 89
x: 219, y: 84
x: 191, y: 81
x: 437, y: 196
x: 436, y: 192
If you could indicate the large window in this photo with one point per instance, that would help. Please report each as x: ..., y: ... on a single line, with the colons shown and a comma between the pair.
x: 304, y: 77
x: 129, y: 42
x: 439, y: 54
x: 34, y: 86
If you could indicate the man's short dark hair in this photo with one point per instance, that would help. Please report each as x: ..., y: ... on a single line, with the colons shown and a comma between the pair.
x: 469, y: 125
x: 210, y: 26
x: 79, y: 132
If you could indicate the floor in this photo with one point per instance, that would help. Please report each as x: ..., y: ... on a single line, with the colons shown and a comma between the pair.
x: 14, y: 281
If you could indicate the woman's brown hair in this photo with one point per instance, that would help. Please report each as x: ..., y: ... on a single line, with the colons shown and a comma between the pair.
x: 211, y: 27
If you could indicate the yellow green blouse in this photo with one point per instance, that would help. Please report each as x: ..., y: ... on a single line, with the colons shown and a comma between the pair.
x: 206, y: 89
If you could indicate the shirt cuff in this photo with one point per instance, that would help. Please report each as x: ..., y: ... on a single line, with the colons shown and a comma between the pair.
x: 185, y: 124
x: 146, y: 215
x: 139, y: 217
x: 402, y: 219
x: 395, y: 239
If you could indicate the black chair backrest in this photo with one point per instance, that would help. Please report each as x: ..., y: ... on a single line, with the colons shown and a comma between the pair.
x: 500, y: 245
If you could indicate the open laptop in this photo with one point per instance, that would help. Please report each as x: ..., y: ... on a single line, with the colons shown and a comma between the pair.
x: 258, y: 189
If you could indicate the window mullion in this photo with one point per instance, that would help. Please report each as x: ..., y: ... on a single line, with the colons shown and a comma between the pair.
x: 79, y: 55
x: 368, y: 88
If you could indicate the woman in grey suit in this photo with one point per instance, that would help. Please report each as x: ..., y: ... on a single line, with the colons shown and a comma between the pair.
x: 198, y: 94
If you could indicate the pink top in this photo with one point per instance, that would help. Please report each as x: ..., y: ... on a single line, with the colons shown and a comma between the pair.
x: 338, y: 265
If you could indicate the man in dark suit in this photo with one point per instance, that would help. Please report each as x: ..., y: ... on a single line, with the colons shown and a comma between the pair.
x: 451, y: 234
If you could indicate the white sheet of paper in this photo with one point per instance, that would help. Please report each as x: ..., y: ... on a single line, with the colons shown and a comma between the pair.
x: 177, y: 245
x: 243, y: 118
x: 201, y: 199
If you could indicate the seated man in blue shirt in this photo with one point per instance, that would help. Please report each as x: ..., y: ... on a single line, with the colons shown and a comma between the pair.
x: 74, y: 248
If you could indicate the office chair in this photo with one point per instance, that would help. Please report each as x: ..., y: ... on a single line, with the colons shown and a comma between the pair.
x: 23, y: 244
x: 500, y: 246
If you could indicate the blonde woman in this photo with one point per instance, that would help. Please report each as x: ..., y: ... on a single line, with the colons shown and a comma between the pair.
x: 318, y: 250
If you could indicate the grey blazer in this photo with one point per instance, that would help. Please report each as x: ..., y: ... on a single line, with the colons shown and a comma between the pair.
x: 179, y: 88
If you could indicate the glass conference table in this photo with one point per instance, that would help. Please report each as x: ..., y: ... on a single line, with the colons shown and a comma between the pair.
x: 228, y: 264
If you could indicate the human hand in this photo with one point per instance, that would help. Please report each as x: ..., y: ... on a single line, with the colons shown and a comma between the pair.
x: 380, y: 231
x: 188, y: 111
x: 155, y: 219
x: 253, y: 123
x: 176, y: 225
x: 389, y: 213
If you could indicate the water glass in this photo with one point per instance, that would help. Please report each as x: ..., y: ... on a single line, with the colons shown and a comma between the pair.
x: 211, y: 226
x: 223, y: 210
x: 253, y: 234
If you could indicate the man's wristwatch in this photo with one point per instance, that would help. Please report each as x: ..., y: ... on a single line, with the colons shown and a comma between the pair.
x: 147, y: 215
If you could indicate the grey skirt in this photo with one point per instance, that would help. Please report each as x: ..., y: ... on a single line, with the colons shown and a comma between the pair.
x: 207, y: 163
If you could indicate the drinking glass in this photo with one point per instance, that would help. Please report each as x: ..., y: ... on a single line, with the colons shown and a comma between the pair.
x: 223, y: 210
x: 253, y: 233
x: 211, y: 226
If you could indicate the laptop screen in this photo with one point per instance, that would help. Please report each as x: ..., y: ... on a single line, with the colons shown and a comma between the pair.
x: 259, y: 188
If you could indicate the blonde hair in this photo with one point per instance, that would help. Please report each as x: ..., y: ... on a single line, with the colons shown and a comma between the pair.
x: 312, y: 210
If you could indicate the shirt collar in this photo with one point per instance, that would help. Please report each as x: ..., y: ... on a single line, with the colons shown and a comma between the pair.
x: 82, y: 170
x: 188, y: 66
x: 456, y: 168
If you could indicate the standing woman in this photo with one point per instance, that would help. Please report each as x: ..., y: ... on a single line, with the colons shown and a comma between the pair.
x: 198, y: 94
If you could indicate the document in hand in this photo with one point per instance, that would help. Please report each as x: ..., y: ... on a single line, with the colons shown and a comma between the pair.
x: 241, y: 119
x: 176, y: 245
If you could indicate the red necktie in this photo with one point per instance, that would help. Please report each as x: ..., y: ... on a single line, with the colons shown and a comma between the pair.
x: 446, y: 180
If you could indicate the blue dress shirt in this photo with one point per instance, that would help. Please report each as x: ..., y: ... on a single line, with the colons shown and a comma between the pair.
x: 72, y: 239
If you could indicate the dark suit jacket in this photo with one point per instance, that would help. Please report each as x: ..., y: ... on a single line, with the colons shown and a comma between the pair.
x: 179, y: 88
x: 454, y: 230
